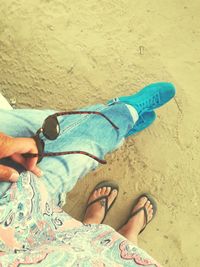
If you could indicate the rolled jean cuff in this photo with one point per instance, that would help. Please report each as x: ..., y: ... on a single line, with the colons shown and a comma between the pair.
x: 133, y: 113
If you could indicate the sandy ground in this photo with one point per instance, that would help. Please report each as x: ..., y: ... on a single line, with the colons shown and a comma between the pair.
x: 68, y: 54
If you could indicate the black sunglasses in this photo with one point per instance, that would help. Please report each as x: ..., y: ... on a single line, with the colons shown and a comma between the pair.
x: 51, y: 130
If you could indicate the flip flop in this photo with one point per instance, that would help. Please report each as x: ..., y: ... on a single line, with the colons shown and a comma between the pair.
x: 102, y: 184
x: 154, y: 206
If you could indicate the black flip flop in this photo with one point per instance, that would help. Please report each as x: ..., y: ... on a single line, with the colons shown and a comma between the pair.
x: 152, y: 202
x: 154, y: 205
x: 102, y: 184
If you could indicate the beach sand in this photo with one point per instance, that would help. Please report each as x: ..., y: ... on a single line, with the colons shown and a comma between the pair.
x: 70, y: 54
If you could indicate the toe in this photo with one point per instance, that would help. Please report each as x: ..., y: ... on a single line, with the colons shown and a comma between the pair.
x: 108, y: 189
x: 149, y: 209
x: 112, y: 196
x: 147, y: 205
x: 93, y: 196
x: 100, y: 191
x: 103, y: 190
x: 150, y: 214
x: 140, y: 203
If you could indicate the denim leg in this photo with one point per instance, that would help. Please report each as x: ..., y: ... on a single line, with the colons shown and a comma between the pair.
x: 90, y: 133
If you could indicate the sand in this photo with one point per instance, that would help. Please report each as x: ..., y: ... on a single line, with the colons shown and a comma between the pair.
x: 69, y: 54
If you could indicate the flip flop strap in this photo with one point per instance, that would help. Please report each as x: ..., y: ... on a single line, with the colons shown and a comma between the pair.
x: 145, y: 217
x: 106, y: 204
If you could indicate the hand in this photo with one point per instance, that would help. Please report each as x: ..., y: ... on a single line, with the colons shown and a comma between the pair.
x: 14, y: 148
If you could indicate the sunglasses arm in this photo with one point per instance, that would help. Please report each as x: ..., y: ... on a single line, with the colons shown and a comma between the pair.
x: 86, y: 112
x: 29, y: 155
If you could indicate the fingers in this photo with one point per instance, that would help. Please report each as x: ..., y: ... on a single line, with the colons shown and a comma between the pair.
x: 10, y: 146
x: 24, y: 145
x: 29, y: 164
x: 37, y: 171
x: 15, y: 148
x: 27, y: 145
x: 8, y: 174
x: 19, y: 159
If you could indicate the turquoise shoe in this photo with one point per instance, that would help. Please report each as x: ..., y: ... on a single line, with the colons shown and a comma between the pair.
x: 150, y: 97
x: 144, y: 121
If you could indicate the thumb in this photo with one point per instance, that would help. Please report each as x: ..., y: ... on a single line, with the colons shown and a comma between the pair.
x: 8, y: 174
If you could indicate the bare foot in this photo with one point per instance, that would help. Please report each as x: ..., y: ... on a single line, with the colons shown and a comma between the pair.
x: 96, y: 211
x: 136, y: 223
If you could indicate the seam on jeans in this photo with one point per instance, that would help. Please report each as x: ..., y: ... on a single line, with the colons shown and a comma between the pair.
x: 78, y: 122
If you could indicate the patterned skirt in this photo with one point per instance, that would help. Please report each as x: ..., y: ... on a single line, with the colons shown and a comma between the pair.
x: 34, y: 231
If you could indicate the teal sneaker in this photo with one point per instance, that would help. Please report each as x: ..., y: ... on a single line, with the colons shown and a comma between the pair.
x: 144, y: 121
x: 150, y: 97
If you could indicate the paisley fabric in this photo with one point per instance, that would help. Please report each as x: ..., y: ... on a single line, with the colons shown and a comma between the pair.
x: 36, y: 232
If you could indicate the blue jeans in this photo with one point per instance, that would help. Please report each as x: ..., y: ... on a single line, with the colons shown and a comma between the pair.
x: 90, y: 133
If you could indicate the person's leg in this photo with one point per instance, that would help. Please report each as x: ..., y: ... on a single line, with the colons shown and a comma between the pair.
x: 90, y: 133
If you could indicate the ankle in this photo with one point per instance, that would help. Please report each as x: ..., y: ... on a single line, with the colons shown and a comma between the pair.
x: 131, y: 236
x: 130, y: 229
x: 92, y: 219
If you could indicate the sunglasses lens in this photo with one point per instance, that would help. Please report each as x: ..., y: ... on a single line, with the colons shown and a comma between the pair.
x: 51, y: 128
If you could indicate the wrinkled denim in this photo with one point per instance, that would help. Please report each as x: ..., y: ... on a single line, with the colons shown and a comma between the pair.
x: 90, y: 133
